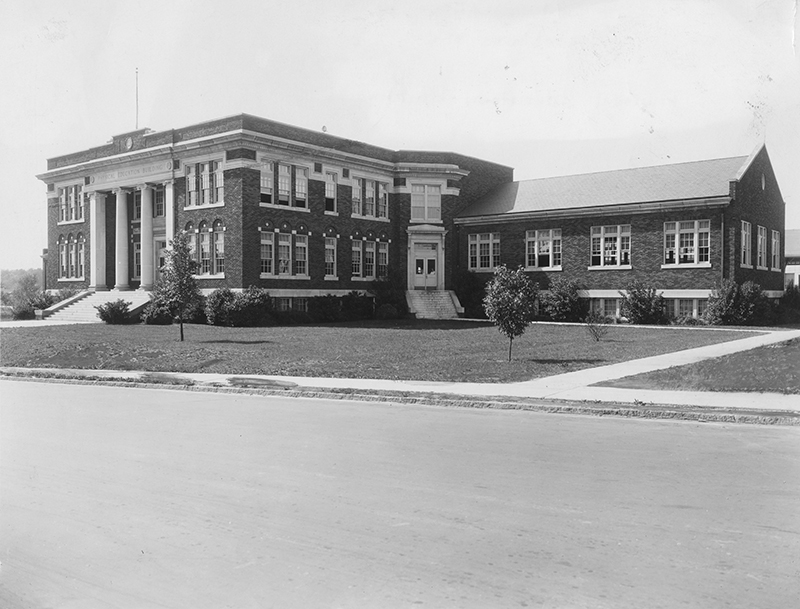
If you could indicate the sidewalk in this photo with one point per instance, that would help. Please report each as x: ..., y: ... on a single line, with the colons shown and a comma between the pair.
x: 572, y: 386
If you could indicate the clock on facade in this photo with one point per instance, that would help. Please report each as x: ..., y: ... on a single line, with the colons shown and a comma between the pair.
x: 128, y: 143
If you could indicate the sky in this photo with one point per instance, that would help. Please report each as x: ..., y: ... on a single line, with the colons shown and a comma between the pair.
x: 547, y: 87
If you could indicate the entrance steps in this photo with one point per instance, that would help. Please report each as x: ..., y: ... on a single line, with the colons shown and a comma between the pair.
x: 81, y: 308
x: 434, y: 304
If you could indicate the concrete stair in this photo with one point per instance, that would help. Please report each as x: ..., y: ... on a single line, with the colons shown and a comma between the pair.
x: 82, y: 309
x: 433, y: 304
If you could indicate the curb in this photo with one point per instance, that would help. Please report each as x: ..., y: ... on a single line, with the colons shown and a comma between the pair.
x: 586, y: 408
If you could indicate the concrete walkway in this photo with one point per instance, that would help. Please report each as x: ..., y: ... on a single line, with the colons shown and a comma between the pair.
x: 572, y: 386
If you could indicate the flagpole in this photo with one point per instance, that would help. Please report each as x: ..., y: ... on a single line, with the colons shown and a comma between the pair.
x: 137, y: 98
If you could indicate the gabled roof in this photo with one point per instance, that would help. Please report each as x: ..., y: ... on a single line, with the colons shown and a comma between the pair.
x: 678, y: 182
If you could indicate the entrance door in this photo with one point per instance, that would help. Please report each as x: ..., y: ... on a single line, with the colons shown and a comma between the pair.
x: 425, y: 255
x: 161, y: 258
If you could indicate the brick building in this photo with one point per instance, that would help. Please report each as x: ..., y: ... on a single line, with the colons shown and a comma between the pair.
x: 304, y: 213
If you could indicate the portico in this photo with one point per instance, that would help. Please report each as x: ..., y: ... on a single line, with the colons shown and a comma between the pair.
x: 426, y: 249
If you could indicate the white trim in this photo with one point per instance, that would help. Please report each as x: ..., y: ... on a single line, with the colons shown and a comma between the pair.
x: 670, y: 293
x: 693, y: 265
x: 621, y: 267
x: 217, y: 276
x: 68, y: 222
x: 284, y: 207
x: 281, y: 277
x: 544, y: 268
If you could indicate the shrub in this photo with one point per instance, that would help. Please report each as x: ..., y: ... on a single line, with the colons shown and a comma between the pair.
x: 218, y: 306
x: 390, y: 291
x: 386, y: 311
x: 642, y: 304
x: 64, y: 293
x: 115, y: 312
x: 562, y: 302
x: 596, y: 325
x: 356, y: 306
x: 251, y: 307
x: 325, y: 309
x: 732, y: 304
x: 157, y: 313
x: 470, y: 289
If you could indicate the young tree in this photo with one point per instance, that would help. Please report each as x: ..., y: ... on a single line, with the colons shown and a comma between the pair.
x: 509, y: 302
x: 177, y: 288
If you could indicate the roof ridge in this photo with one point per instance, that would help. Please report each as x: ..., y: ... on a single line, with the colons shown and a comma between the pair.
x: 606, y: 171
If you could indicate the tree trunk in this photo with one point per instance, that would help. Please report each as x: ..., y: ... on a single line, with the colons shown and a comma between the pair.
x: 510, y: 342
x: 181, y: 320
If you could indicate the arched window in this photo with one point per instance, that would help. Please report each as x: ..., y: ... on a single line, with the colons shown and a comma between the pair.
x: 62, y: 256
x: 71, y: 256
x: 204, y: 249
x: 218, y: 266
x: 79, y: 255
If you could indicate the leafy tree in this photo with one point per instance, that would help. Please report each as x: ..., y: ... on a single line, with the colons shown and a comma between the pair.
x: 509, y: 302
x: 562, y: 302
x: 177, y: 289
x: 733, y: 304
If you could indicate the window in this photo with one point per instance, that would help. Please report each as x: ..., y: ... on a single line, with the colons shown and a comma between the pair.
x: 687, y: 242
x: 611, y: 246
x: 284, y: 184
x: 137, y: 259
x: 370, y: 259
x: 330, y: 192
x: 426, y: 203
x: 543, y: 248
x: 383, y: 260
x: 267, y: 253
x: 358, y: 185
x: 747, y: 245
x: 330, y: 257
x: 137, y: 205
x: 300, y: 187
x: 383, y: 200
x: 267, y: 178
x: 776, y: 251
x: 218, y: 266
x: 70, y: 204
x: 369, y: 198
x: 356, y: 266
x: 611, y: 307
x: 204, y: 183
x: 284, y: 254
x: 283, y: 304
x: 208, y: 248
x: 159, y: 207
x: 300, y: 304
x: 761, y: 245
x: 71, y: 257
x: 300, y: 255
x: 484, y: 251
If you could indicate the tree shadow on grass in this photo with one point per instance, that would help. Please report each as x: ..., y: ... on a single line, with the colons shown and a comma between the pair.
x: 564, y: 362
x: 236, y: 342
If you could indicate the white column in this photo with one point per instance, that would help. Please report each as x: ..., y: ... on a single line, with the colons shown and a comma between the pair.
x: 97, y: 241
x: 146, y: 236
x: 122, y: 277
x: 169, y: 207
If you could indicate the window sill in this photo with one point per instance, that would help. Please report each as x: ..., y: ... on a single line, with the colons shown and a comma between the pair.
x: 491, y: 270
x: 543, y: 268
x: 762, y: 268
x: 331, y: 213
x: 65, y: 279
x: 286, y: 207
x: 692, y: 265
x: 211, y: 206
x: 66, y: 222
x: 331, y: 278
x: 746, y: 266
x: 291, y: 277
x: 218, y: 276
x: 417, y: 221
x: 375, y: 218
x: 362, y: 278
x: 621, y: 267
x: 777, y: 270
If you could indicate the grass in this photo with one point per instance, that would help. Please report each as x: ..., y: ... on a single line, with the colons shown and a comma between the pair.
x: 771, y: 368
x: 410, y: 350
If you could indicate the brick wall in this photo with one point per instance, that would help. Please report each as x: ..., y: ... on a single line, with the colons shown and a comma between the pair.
x: 647, y: 251
x: 761, y: 207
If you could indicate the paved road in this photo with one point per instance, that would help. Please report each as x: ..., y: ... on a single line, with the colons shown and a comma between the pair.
x: 116, y: 497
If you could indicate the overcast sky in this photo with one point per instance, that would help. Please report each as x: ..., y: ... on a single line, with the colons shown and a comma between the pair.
x: 549, y: 88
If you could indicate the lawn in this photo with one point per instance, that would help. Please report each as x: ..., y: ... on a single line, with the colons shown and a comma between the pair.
x: 756, y: 370
x: 410, y: 350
